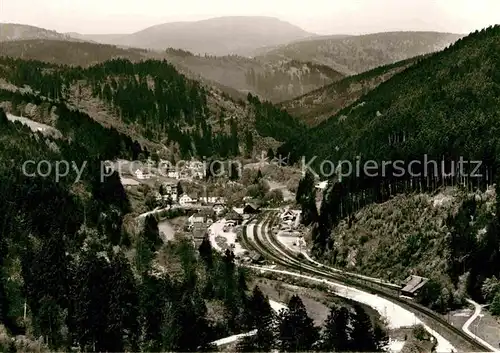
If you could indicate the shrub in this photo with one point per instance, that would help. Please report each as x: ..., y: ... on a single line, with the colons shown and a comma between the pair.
x: 420, y: 333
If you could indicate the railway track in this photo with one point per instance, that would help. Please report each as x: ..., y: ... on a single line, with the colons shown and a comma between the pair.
x: 269, y: 248
x: 291, y: 254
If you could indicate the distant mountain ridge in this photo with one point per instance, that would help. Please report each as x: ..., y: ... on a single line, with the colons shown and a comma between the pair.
x: 355, y: 54
x: 15, y: 31
x: 277, y: 81
x: 282, y: 71
x: 240, y: 35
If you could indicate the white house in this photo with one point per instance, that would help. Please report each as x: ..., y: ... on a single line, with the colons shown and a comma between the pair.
x: 212, y: 200
x: 140, y: 175
x: 184, y: 174
x: 288, y: 215
x: 196, y: 219
x: 218, y: 208
x: 173, y: 174
x: 238, y: 210
x: 321, y: 185
x: 199, y: 174
x: 185, y: 199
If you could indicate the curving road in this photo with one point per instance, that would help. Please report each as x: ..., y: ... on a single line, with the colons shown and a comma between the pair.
x: 465, y: 328
x: 257, y: 236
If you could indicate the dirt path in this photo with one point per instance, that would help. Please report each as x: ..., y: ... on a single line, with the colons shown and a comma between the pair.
x: 35, y: 126
x: 166, y: 230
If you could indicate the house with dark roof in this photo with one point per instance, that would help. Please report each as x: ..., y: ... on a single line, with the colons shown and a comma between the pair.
x: 234, y: 216
x: 251, y: 208
x: 412, y: 285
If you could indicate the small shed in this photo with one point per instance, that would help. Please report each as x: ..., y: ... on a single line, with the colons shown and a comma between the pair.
x: 257, y: 258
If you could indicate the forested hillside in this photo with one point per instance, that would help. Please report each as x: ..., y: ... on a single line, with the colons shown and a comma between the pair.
x: 355, y: 54
x: 73, y: 277
x: 275, y: 81
x: 445, y: 104
x: 148, y: 100
x: 443, y: 109
x: 87, y: 282
x: 73, y: 53
x: 286, y: 79
x: 318, y: 105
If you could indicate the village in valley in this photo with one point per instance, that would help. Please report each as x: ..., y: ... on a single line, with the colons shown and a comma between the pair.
x: 189, y: 204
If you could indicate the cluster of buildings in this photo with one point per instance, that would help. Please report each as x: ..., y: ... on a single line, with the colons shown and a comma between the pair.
x: 183, y: 170
x: 169, y: 193
x: 199, y: 221
x: 187, y: 170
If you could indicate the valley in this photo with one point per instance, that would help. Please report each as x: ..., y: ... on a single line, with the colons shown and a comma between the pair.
x: 188, y: 204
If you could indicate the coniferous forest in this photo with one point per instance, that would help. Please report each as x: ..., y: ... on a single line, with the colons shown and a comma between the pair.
x: 71, y: 267
x: 73, y: 273
x: 70, y: 273
x: 68, y: 261
x: 444, y: 108
x: 153, y: 96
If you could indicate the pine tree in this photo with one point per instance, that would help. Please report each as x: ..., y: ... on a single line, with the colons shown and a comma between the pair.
x: 260, y: 317
x: 296, y: 329
x: 153, y: 295
x: 234, y: 137
x: 497, y: 198
x: 205, y: 250
x: 3, y: 118
x: 306, y: 197
x: 123, y: 328
x: 5, y: 318
x: 180, y: 190
x: 336, y: 334
x: 189, y: 317
x: 46, y: 278
x: 234, y: 172
x: 270, y: 154
x: 4, y: 303
x: 248, y: 142
x: 263, y: 320
x: 362, y: 337
x: 151, y: 232
x: 309, y: 210
x: 381, y: 338
x: 89, y: 310
x: 258, y: 177
x: 495, y: 305
x: 258, y: 308
x: 143, y: 255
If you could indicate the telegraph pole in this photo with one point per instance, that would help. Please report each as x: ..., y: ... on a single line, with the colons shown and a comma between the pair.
x: 300, y: 258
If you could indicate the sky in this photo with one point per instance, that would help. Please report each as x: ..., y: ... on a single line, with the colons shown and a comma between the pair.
x: 317, y: 16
